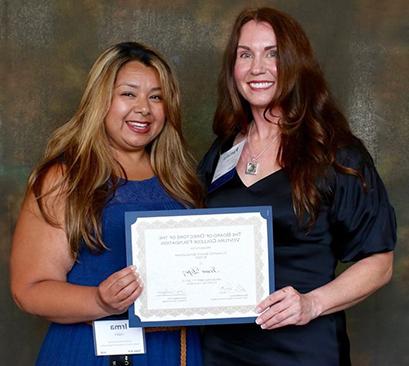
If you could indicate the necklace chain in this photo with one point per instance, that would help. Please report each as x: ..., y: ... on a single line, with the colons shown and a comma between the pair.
x: 252, y: 165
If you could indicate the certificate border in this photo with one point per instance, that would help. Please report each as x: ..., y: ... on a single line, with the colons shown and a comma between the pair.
x: 132, y: 216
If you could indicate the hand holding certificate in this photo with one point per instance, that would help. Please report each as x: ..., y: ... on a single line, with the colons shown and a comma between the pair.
x: 200, y: 266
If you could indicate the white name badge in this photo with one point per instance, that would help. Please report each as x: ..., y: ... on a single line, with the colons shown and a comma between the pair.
x: 228, y: 160
x: 115, y: 337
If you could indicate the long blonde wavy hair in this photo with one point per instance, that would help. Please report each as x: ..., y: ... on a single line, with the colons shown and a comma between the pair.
x: 81, y: 149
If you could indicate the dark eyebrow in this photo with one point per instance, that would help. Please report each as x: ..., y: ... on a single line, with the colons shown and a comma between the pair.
x: 265, y: 48
x: 135, y: 86
x: 128, y: 84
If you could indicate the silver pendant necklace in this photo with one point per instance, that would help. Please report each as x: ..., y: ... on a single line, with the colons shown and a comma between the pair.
x: 252, y: 165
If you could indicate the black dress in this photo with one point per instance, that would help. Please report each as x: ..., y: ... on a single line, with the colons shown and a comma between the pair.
x: 352, y: 224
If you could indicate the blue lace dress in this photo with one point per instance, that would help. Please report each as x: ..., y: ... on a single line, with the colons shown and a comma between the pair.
x: 72, y: 344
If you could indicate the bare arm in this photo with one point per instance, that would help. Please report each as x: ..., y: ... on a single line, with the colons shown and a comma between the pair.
x: 40, y: 261
x: 287, y: 306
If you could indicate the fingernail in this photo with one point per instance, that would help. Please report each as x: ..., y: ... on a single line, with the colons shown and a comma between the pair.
x: 258, y: 310
x: 258, y: 321
x: 262, y: 326
x: 133, y: 267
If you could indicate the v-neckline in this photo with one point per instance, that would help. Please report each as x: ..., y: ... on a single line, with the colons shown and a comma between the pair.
x: 258, y: 181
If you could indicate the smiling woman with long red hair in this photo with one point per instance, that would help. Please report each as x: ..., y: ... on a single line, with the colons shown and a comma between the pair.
x: 329, y: 204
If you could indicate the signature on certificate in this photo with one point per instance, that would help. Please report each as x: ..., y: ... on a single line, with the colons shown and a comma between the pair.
x: 194, y: 271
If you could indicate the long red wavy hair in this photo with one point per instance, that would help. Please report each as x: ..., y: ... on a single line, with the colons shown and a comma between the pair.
x: 312, y: 126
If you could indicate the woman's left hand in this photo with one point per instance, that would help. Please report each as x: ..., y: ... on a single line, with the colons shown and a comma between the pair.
x: 286, y: 307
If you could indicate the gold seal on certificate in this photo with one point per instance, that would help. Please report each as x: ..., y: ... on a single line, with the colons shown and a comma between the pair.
x: 203, y: 266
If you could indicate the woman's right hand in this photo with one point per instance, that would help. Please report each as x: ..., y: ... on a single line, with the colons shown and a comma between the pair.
x: 119, y: 290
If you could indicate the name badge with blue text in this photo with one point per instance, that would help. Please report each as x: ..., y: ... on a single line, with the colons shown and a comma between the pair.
x: 115, y: 337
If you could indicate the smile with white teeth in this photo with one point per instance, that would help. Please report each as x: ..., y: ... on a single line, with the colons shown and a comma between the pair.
x: 136, y: 124
x: 260, y: 84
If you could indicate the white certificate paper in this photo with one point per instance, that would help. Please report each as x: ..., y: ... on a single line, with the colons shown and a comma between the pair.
x: 204, y: 266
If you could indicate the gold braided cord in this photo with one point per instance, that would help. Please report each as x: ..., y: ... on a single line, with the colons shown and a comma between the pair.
x: 183, y: 346
x: 161, y: 329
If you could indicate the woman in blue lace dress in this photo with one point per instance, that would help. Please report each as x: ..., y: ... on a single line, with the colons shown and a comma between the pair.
x: 122, y: 150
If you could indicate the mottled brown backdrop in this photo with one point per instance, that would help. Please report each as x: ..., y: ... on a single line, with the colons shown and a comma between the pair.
x: 47, y: 48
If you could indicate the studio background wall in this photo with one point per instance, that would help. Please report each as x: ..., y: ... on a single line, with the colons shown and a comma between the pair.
x: 47, y: 48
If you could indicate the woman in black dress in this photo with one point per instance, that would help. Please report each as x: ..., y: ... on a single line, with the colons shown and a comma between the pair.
x: 329, y: 204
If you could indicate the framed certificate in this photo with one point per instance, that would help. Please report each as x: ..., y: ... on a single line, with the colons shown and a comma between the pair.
x: 201, y: 266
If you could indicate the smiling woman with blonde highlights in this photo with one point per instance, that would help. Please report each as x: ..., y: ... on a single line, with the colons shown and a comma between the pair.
x: 123, y: 150
x: 329, y: 204
x: 83, y: 145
